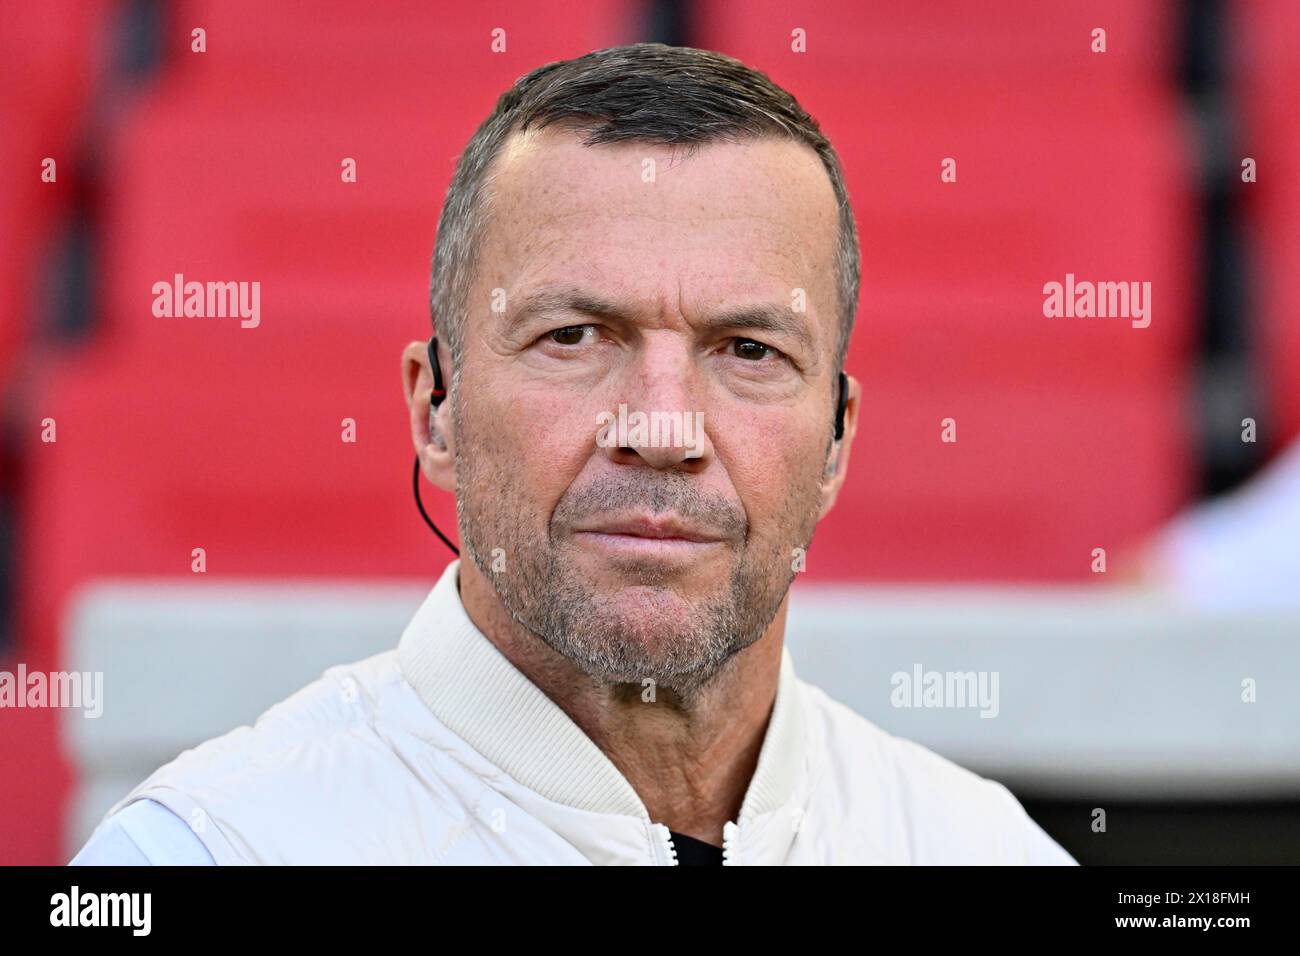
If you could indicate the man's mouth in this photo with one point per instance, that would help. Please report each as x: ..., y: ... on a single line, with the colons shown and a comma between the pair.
x: 647, y: 535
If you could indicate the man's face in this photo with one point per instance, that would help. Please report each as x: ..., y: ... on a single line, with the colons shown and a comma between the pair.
x: 624, y: 275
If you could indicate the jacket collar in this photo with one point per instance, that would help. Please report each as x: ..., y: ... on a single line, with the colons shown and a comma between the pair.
x: 474, y: 690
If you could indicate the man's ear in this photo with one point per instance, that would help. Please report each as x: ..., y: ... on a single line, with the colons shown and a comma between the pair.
x: 437, y: 463
x: 837, y: 461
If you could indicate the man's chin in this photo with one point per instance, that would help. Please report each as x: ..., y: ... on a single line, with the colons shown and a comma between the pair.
x: 676, y: 604
x: 638, y: 609
x: 654, y: 629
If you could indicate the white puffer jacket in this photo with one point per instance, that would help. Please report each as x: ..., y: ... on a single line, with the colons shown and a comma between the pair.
x: 441, y: 752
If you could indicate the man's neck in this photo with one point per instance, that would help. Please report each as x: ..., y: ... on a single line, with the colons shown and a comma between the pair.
x: 690, y: 763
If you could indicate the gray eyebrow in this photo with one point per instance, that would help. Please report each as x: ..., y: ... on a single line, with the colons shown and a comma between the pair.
x: 567, y: 300
x: 763, y: 318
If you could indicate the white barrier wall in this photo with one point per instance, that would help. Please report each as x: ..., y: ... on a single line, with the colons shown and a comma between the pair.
x: 1105, y: 693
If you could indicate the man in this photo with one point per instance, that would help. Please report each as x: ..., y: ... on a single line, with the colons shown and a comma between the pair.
x: 648, y: 231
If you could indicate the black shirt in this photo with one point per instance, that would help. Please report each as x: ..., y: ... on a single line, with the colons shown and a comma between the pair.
x: 693, y: 852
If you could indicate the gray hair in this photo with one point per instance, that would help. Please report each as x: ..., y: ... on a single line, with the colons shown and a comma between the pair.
x: 646, y: 92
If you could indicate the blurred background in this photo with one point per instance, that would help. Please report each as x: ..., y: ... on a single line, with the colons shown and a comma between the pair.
x: 1121, y: 689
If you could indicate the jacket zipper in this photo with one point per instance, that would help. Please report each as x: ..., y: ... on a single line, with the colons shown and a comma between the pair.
x: 729, y: 831
x: 666, y: 844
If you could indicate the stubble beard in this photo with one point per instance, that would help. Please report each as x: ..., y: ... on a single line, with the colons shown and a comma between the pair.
x: 646, y: 631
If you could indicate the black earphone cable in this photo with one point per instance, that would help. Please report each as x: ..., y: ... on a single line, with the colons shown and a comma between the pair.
x: 435, y: 399
x: 415, y: 484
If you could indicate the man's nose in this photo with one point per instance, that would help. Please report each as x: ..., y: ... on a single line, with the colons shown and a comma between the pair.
x: 659, y: 417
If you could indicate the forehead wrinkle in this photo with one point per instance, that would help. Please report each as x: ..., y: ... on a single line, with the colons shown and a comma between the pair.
x: 544, y: 243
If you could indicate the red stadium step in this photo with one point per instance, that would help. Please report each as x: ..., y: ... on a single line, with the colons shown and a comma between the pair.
x: 951, y: 40
x: 1268, y: 97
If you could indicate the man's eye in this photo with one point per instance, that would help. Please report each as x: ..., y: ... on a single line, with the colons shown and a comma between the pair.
x: 749, y: 349
x: 571, y: 334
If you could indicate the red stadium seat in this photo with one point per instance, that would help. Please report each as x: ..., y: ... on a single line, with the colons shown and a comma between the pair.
x: 950, y: 40
x: 331, y: 42
x: 50, y: 55
x: 1267, y: 69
